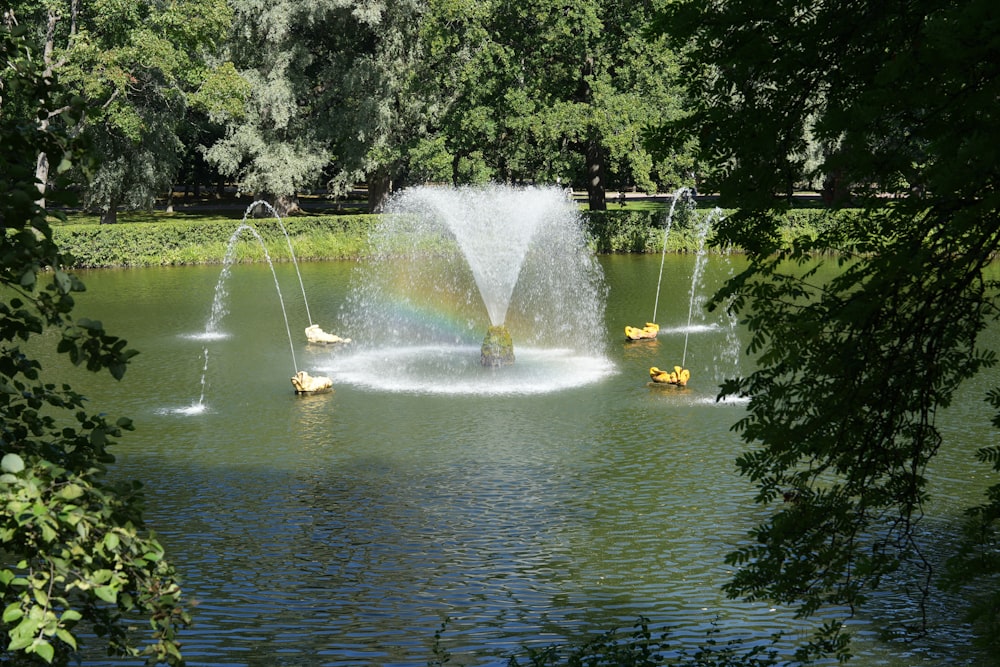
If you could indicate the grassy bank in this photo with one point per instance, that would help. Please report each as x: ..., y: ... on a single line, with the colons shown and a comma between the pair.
x: 152, y: 239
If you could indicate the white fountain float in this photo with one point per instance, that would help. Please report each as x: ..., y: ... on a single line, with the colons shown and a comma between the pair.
x: 314, y: 334
x: 453, y: 262
x: 302, y: 382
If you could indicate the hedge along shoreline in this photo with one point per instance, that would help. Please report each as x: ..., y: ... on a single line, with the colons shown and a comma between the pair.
x: 340, y: 237
x: 188, y: 242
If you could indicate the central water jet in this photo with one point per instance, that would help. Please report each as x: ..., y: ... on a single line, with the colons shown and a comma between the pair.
x: 452, y: 262
x: 494, y: 241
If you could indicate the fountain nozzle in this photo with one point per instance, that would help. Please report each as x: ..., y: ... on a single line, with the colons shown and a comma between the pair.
x: 498, y: 347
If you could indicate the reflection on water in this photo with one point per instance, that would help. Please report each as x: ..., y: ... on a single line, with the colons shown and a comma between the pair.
x: 345, y: 528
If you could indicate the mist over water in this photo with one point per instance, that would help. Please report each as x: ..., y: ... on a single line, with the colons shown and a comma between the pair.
x: 450, y: 262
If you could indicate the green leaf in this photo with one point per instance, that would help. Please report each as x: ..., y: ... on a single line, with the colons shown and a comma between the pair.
x: 48, y: 533
x: 101, y: 576
x: 70, y: 616
x: 12, y: 612
x: 66, y: 636
x: 70, y: 492
x: 24, y: 633
x: 106, y: 593
x: 93, y: 326
x: 62, y: 280
x: 111, y: 541
x: 43, y: 649
x: 41, y: 597
x: 12, y: 463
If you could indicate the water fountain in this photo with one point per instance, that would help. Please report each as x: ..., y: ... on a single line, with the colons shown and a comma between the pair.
x: 219, y: 308
x: 314, y: 334
x: 652, y: 329
x: 302, y: 382
x: 453, y: 262
x: 699, y: 267
x: 680, y: 375
x: 288, y: 241
x: 683, y: 194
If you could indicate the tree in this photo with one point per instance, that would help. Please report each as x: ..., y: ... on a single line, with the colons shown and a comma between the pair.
x: 74, y: 558
x: 551, y: 90
x: 390, y: 93
x: 329, y: 101
x: 140, y: 63
x: 376, y: 107
x: 465, y: 65
x: 272, y: 146
x: 852, y: 372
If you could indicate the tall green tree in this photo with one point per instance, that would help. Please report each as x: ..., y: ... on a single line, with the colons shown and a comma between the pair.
x: 141, y: 63
x: 272, y: 146
x: 390, y: 93
x: 375, y: 106
x: 550, y: 90
x: 75, y: 560
x: 330, y: 98
x: 852, y: 372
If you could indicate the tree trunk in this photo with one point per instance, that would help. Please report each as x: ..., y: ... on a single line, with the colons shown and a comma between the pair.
x: 834, y: 191
x: 379, y: 189
x: 595, y: 176
x: 285, y: 204
x: 109, y: 216
x: 42, y: 169
x: 42, y: 162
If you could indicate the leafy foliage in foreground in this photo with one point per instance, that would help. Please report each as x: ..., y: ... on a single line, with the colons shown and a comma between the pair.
x: 73, y: 555
x: 642, y: 648
x: 639, y: 647
x: 853, y: 372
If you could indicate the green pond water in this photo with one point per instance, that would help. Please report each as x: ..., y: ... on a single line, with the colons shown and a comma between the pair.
x: 345, y: 528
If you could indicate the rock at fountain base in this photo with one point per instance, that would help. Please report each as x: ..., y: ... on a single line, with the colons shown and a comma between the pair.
x: 307, y: 384
x: 498, y: 348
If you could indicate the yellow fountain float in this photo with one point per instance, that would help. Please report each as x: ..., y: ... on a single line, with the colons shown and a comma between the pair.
x: 678, y: 377
x: 647, y: 332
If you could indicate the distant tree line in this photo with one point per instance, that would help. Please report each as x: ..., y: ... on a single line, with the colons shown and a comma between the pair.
x: 287, y: 97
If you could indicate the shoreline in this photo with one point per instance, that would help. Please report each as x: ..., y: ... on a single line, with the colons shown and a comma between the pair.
x: 180, y: 239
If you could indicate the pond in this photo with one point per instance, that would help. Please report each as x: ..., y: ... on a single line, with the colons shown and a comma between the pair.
x: 346, y: 528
